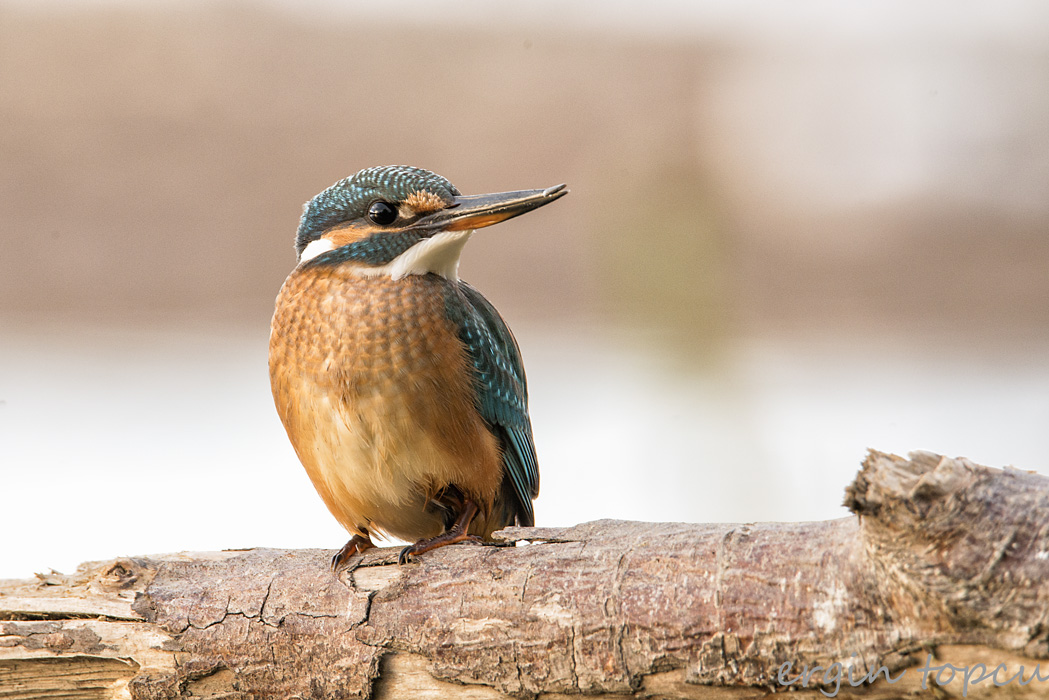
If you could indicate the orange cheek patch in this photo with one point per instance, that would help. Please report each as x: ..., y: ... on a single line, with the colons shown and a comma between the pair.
x: 347, y: 234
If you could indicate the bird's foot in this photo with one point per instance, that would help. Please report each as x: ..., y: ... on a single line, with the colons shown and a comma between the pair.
x: 433, y: 543
x: 356, y: 545
x: 456, y: 533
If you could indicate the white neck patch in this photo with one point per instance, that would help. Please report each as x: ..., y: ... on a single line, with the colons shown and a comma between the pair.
x: 438, y: 254
x: 315, y: 248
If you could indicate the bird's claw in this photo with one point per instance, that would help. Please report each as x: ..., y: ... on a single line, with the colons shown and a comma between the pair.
x: 356, y: 545
x: 405, y: 555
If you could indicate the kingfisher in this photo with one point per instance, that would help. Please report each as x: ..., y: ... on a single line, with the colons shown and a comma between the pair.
x: 400, y: 386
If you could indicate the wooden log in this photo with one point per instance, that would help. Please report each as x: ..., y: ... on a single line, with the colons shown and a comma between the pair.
x: 947, y: 562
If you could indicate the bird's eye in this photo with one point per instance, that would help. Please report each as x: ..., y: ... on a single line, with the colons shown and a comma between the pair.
x: 382, y: 213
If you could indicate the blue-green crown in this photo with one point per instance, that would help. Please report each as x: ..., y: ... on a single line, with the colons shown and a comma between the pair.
x: 349, y: 199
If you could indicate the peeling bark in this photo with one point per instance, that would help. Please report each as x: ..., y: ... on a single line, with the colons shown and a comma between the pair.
x: 947, y: 561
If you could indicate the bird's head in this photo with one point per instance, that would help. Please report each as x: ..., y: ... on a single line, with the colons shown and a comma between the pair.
x: 397, y: 220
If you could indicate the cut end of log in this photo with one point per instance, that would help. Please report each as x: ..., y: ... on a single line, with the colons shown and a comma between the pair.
x: 921, y: 478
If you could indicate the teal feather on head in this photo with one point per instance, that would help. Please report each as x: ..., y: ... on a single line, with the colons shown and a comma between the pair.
x: 349, y: 198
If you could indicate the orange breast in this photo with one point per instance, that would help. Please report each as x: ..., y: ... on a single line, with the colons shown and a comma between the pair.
x: 374, y: 389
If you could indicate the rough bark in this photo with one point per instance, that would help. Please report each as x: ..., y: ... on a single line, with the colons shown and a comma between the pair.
x: 946, y: 558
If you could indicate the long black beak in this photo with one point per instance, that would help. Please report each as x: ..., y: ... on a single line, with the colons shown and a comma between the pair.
x: 480, y: 210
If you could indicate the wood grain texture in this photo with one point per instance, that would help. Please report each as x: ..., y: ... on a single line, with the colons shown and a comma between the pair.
x: 946, y: 562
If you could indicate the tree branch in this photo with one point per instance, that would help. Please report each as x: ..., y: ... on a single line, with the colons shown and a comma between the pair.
x: 946, y: 558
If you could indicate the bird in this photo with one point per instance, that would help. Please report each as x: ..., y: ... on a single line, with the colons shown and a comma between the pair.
x: 400, y: 387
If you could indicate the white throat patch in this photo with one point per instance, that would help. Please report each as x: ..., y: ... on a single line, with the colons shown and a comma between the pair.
x: 438, y: 254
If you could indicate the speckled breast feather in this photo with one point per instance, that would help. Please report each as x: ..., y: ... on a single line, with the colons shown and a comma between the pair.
x: 373, y: 385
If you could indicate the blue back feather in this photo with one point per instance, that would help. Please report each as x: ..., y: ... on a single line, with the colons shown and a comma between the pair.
x: 502, y: 395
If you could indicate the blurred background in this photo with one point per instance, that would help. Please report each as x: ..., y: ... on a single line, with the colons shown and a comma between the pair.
x: 796, y: 231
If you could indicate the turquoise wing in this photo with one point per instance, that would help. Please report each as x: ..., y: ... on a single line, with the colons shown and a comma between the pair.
x: 502, y: 394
